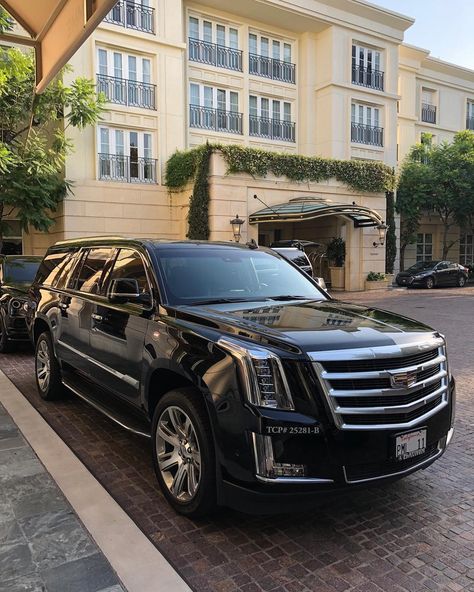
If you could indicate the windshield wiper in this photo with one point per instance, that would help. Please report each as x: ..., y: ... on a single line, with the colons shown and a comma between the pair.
x: 291, y: 297
x: 223, y: 301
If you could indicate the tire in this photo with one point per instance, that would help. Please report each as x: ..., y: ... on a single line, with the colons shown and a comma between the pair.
x: 5, y: 343
x: 429, y: 283
x: 184, y: 462
x: 461, y: 281
x: 47, y: 370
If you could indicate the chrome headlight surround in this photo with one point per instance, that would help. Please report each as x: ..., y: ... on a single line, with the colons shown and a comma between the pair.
x: 263, y: 376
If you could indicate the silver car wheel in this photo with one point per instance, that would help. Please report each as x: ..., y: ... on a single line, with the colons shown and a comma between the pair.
x: 43, y: 366
x: 178, y: 454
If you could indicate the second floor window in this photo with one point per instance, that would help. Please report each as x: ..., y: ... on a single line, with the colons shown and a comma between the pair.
x: 470, y: 115
x: 366, y: 67
x: 428, y: 106
x: 365, y: 125
x: 271, y: 58
x: 125, y: 79
x: 126, y: 155
x: 214, y: 109
x: 133, y: 14
x: 271, y: 118
x: 214, y: 44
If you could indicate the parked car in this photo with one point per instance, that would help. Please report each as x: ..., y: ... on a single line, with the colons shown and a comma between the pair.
x: 293, y: 250
x: 430, y: 274
x: 258, y: 390
x: 16, y: 274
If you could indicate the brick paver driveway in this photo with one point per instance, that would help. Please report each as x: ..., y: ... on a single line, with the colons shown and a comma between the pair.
x: 416, y: 534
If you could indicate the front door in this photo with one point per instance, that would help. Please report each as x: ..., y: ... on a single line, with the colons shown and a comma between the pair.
x: 118, y: 329
x: 442, y: 273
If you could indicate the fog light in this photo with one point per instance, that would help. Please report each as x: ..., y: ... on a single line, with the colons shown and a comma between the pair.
x: 265, y: 461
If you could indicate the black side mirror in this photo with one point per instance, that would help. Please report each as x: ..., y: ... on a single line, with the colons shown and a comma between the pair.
x: 124, y: 290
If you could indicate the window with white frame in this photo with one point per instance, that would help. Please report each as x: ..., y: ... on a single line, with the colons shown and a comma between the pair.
x: 271, y: 58
x: 424, y: 247
x: 214, y: 108
x: 466, y: 249
x: 428, y: 105
x: 125, y: 78
x: 126, y: 155
x: 214, y: 43
x: 271, y: 118
x: 470, y: 115
x: 366, y: 126
x: 367, y: 67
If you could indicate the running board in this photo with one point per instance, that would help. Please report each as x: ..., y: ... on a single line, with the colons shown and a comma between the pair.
x: 120, y: 416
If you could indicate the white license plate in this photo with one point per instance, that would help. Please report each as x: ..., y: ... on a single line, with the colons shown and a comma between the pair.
x: 410, y: 445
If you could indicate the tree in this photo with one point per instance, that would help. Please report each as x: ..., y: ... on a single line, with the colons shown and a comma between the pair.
x: 439, y: 179
x: 391, y: 238
x: 33, y: 144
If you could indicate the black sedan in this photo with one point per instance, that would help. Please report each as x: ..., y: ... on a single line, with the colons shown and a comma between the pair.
x: 16, y: 276
x: 429, y: 274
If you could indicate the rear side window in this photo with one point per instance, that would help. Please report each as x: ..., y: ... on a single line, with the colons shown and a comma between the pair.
x: 51, y: 268
x: 92, y: 269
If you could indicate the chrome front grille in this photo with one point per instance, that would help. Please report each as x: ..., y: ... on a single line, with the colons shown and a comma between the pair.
x: 384, y: 387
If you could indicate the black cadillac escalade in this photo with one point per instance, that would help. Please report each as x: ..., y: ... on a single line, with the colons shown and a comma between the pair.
x: 258, y: 390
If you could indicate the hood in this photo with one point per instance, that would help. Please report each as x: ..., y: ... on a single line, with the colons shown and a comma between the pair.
x: 309, y: 325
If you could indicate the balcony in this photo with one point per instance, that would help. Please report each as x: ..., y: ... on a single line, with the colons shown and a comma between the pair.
x: 470, y: 123
x: 132, y: 16
x: 126, y: 169
x: 366, y: 134
x: 272, y: 129
x: 216, y: 120
x: 271, y: 68
x: 127, y: 92
x: 215, y: 55
x: 368, y: 77
x: 428, y: 113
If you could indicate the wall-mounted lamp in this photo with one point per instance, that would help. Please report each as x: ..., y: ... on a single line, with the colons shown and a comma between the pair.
x: 236, y: 224
x: 382, y: 228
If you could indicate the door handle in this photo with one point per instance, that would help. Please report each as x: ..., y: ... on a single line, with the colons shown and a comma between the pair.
x: 63, y: 305
x: 97, y: 317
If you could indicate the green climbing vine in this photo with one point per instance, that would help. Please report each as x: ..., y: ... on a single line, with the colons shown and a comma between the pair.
x: 188, y: 166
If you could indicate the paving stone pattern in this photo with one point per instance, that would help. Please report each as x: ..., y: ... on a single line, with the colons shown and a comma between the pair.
x: 43, y: 545
x: 413, y: 535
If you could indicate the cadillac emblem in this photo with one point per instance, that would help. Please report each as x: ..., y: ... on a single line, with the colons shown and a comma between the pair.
x: 403, y: 379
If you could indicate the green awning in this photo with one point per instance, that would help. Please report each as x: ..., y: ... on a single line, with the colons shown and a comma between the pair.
x: 309, y: 208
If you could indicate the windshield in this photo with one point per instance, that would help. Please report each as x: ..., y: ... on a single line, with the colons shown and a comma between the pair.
x: 19, y: 271
x: 421, y: 265
x: 198, y: 274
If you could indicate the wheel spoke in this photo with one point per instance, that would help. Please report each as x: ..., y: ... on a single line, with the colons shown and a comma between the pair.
x: 196, y: 457
x: 174, y: 418
x: 168, y: 460
x: 193, y: 479
x: 178, y: 482
x: 165, y: 432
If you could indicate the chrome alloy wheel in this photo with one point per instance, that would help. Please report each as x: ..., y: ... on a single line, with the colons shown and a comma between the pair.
x: 43, y: 366
x: 178, y: 455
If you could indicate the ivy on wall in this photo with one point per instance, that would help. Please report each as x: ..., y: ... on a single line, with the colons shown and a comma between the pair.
x: 193, y: 165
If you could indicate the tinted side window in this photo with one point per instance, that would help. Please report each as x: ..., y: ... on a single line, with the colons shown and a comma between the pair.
x: 50, y: 268
x: 129, y: 264
x: 92, y: 269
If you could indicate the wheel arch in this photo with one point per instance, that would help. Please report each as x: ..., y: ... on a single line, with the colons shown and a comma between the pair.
x: 40, y: 326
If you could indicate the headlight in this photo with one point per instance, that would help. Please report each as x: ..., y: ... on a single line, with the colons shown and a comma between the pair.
x: 262, y: 374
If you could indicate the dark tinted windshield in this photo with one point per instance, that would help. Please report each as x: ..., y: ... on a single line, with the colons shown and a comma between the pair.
x: 198, y: 273
x: 20, y: 271
x: 422, y: 265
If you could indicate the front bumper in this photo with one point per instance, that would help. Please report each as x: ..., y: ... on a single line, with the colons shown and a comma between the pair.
x: 16, y: 328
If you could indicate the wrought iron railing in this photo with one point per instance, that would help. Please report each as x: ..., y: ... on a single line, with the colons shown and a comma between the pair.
x: 428, y: 113
x: 215, y: 119
x: 132, y: 16
x: 273, y: 129
x: 470, y: 123
x: 366, y: 134
x: 215, y: 55
x: 271, y: 68
x: 127, y: 92
x: 126, y: 169
x: 368, y: 77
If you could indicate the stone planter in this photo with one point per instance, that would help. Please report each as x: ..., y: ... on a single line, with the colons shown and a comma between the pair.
x: 378, y: 285
x: 337, y: 278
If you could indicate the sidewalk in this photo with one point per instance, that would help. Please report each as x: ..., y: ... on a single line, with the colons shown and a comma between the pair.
x: 43, y: 545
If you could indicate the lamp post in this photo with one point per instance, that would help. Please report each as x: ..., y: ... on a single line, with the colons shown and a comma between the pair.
x: 236, y: 224
x: 382, y: 228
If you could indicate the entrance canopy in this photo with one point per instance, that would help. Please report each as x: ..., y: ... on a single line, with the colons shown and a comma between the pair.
x: 56, y: 29
x: 309, y: 208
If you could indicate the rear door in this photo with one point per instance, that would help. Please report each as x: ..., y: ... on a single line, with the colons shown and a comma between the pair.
x: 118, y: 329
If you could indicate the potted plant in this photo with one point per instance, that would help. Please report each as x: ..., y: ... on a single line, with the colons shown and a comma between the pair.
x: 336, y: 254
x: 376, y: 281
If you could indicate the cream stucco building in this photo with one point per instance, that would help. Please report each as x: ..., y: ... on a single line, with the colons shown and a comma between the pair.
x: 328, y: 78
